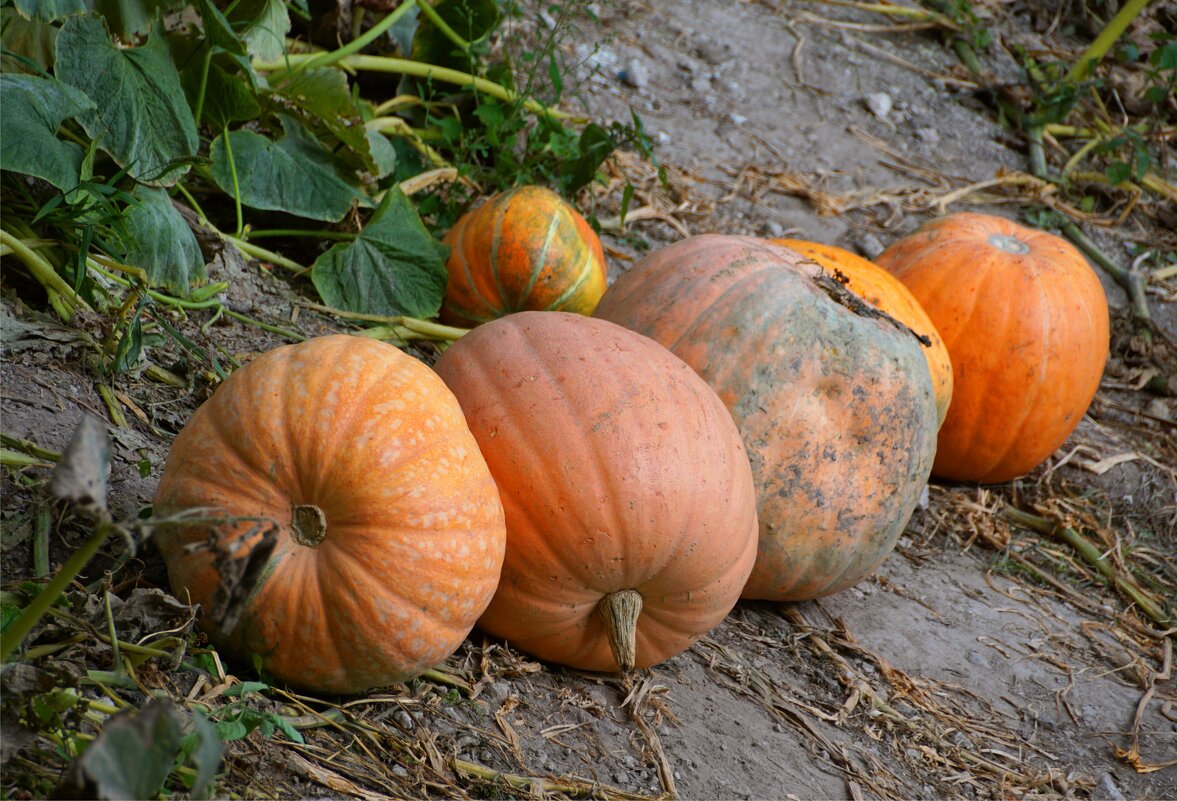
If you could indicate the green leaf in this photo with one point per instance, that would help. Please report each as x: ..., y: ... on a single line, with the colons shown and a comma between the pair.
x: 245, y: 688
x: 322, y: 96
x: 218, y: 30
x: 227, y: 98
x: 295, y: 174
x: 134, y: 754
x: 34, y: 108
x: 393, y: 267
x: 130, y: 18
x: 383, y: 154
x: 1118, y: 172
x: 161, y: 242
x: 28, y: 44
x: 141, y: 116
x: 49, y: 10
x: 283, y: 725
x: 472, y: 20
x: 262, y: 25
x: 1164, y: 58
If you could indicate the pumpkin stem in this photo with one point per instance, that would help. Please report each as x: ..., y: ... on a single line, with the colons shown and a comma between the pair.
x: 620, y: 612
x: 309, y: 524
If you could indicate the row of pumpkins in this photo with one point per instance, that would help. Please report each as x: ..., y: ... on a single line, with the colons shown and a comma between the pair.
x: 732, y: 421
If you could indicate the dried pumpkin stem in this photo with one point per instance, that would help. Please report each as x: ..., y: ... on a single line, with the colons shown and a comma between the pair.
x: 620, y: 612
x: 309, y: 525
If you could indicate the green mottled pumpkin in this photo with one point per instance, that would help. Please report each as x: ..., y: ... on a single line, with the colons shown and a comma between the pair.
x: 833, y: 399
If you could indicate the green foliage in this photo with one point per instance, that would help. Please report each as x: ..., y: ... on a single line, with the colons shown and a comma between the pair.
x: 34, y: 109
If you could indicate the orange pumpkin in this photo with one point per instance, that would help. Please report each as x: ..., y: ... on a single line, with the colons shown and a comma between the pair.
x: 1025, y: 321
x: 522, y: 250
x: 888, y: 294
x: 833, y: 400
x: 631, y: 515
x: 390, y: 533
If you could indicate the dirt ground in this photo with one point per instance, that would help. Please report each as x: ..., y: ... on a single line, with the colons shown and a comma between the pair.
x: 983, y: 660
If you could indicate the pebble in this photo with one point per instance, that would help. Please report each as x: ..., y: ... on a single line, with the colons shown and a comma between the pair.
x: 870, y: 246
x: 1106, y: 790
x: 977, y: 658
x: 879, y: 104
x: 634, y: 74
x: 929, y: 136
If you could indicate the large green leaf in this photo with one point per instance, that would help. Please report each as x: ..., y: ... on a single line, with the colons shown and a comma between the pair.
x: 161, y: 242
x: 134, y: 753
x: 322, y: 97
x: 49, y: 10
x: 262, y: 25
x: 34, y: 107
x: 394, y: 267
x: 294, y: 174
x: 218, y: 30
x: 141, y: 118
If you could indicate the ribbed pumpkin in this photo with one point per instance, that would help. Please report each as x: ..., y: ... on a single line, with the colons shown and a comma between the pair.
x: 390, y: 533
x: 1025, y: 321
x: 522, y: 250
x: 627, y: 492
x: 833, y: 400
x: 887, y: 293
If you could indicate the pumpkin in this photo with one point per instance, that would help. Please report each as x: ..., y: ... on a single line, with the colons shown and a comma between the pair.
x: 1025, y: 321
x: 887, y: 293
x: 833, y: 399
x: 631, y: 514
x: 522, y: 250
x: 388, y: 531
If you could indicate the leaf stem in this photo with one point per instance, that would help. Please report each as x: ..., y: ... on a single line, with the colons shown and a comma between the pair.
x: 402, y: 66
x: 263, y: 233
x: 236, y: 185
x: 1107, y: 37
x: 32, y: 614
x: 43, y: 271
x: 262, y: 254
x: 352, y: 47
x: 431, y: 14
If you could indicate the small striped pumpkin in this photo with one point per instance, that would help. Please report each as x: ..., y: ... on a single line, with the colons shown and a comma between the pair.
x: 522, y: 250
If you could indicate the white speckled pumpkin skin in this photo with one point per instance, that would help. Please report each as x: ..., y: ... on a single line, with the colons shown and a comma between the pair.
x: 415, y: 534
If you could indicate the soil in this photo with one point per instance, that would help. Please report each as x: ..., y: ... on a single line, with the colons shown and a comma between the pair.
x: 956, y: 671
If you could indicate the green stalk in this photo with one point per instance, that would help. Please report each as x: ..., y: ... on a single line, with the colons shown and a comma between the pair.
x: 31, y: 448
x: 273, y: 329
x: 17, y: 460
x: 32, y: 614
x: 116, y: 656
x: 352, y: 47
x: 1091, y: 555
x: 236, y: 186
x: 1107, y: 37
x: 401, y: 66
x: 263, y: 233
x: 43, y: 271
x: 204, y: 69
x: 264, y: 255
x: 428, y: 11
x: 41, y: 526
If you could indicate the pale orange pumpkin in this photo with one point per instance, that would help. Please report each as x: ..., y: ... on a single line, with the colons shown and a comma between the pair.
x: 833, y: 400
x: 390, y: 533
x: 1025, y: 321
x: 888, y: 294
x: 526, y: 249
x: 631, y: 514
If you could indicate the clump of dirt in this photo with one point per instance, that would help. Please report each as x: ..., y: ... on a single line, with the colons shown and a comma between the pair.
x: 991, y: 657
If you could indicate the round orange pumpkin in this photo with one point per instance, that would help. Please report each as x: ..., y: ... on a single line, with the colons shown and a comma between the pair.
x: 1025, y: 321
x: 522, y: 250
x: 631, y: 514
x: 887, y: 293
x: 833, y: 400
x: 390, y: 533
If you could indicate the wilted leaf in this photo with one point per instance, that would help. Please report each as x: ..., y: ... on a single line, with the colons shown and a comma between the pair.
x: 295, y: 174
x: 80, y: 475
x: 131, y: 757
x: 161, y: 242
x: 141, y: 118
x: 393, y: 267
x: 25, y: 39
x: 383, y: 154
x: 34, y: 107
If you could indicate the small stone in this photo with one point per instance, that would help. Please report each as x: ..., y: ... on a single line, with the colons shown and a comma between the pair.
x: 701, y: 83
x: 929, y: 136
x: 925, y: 498
x: 634, y: 74
x: 1106, y: 790
x: 977, y: 657
x: 738, y: 119
x: 870, y: 246
x: 879, y: 104
x: 498, y: 692
x: 400, y: 770
x: 403, y: 719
